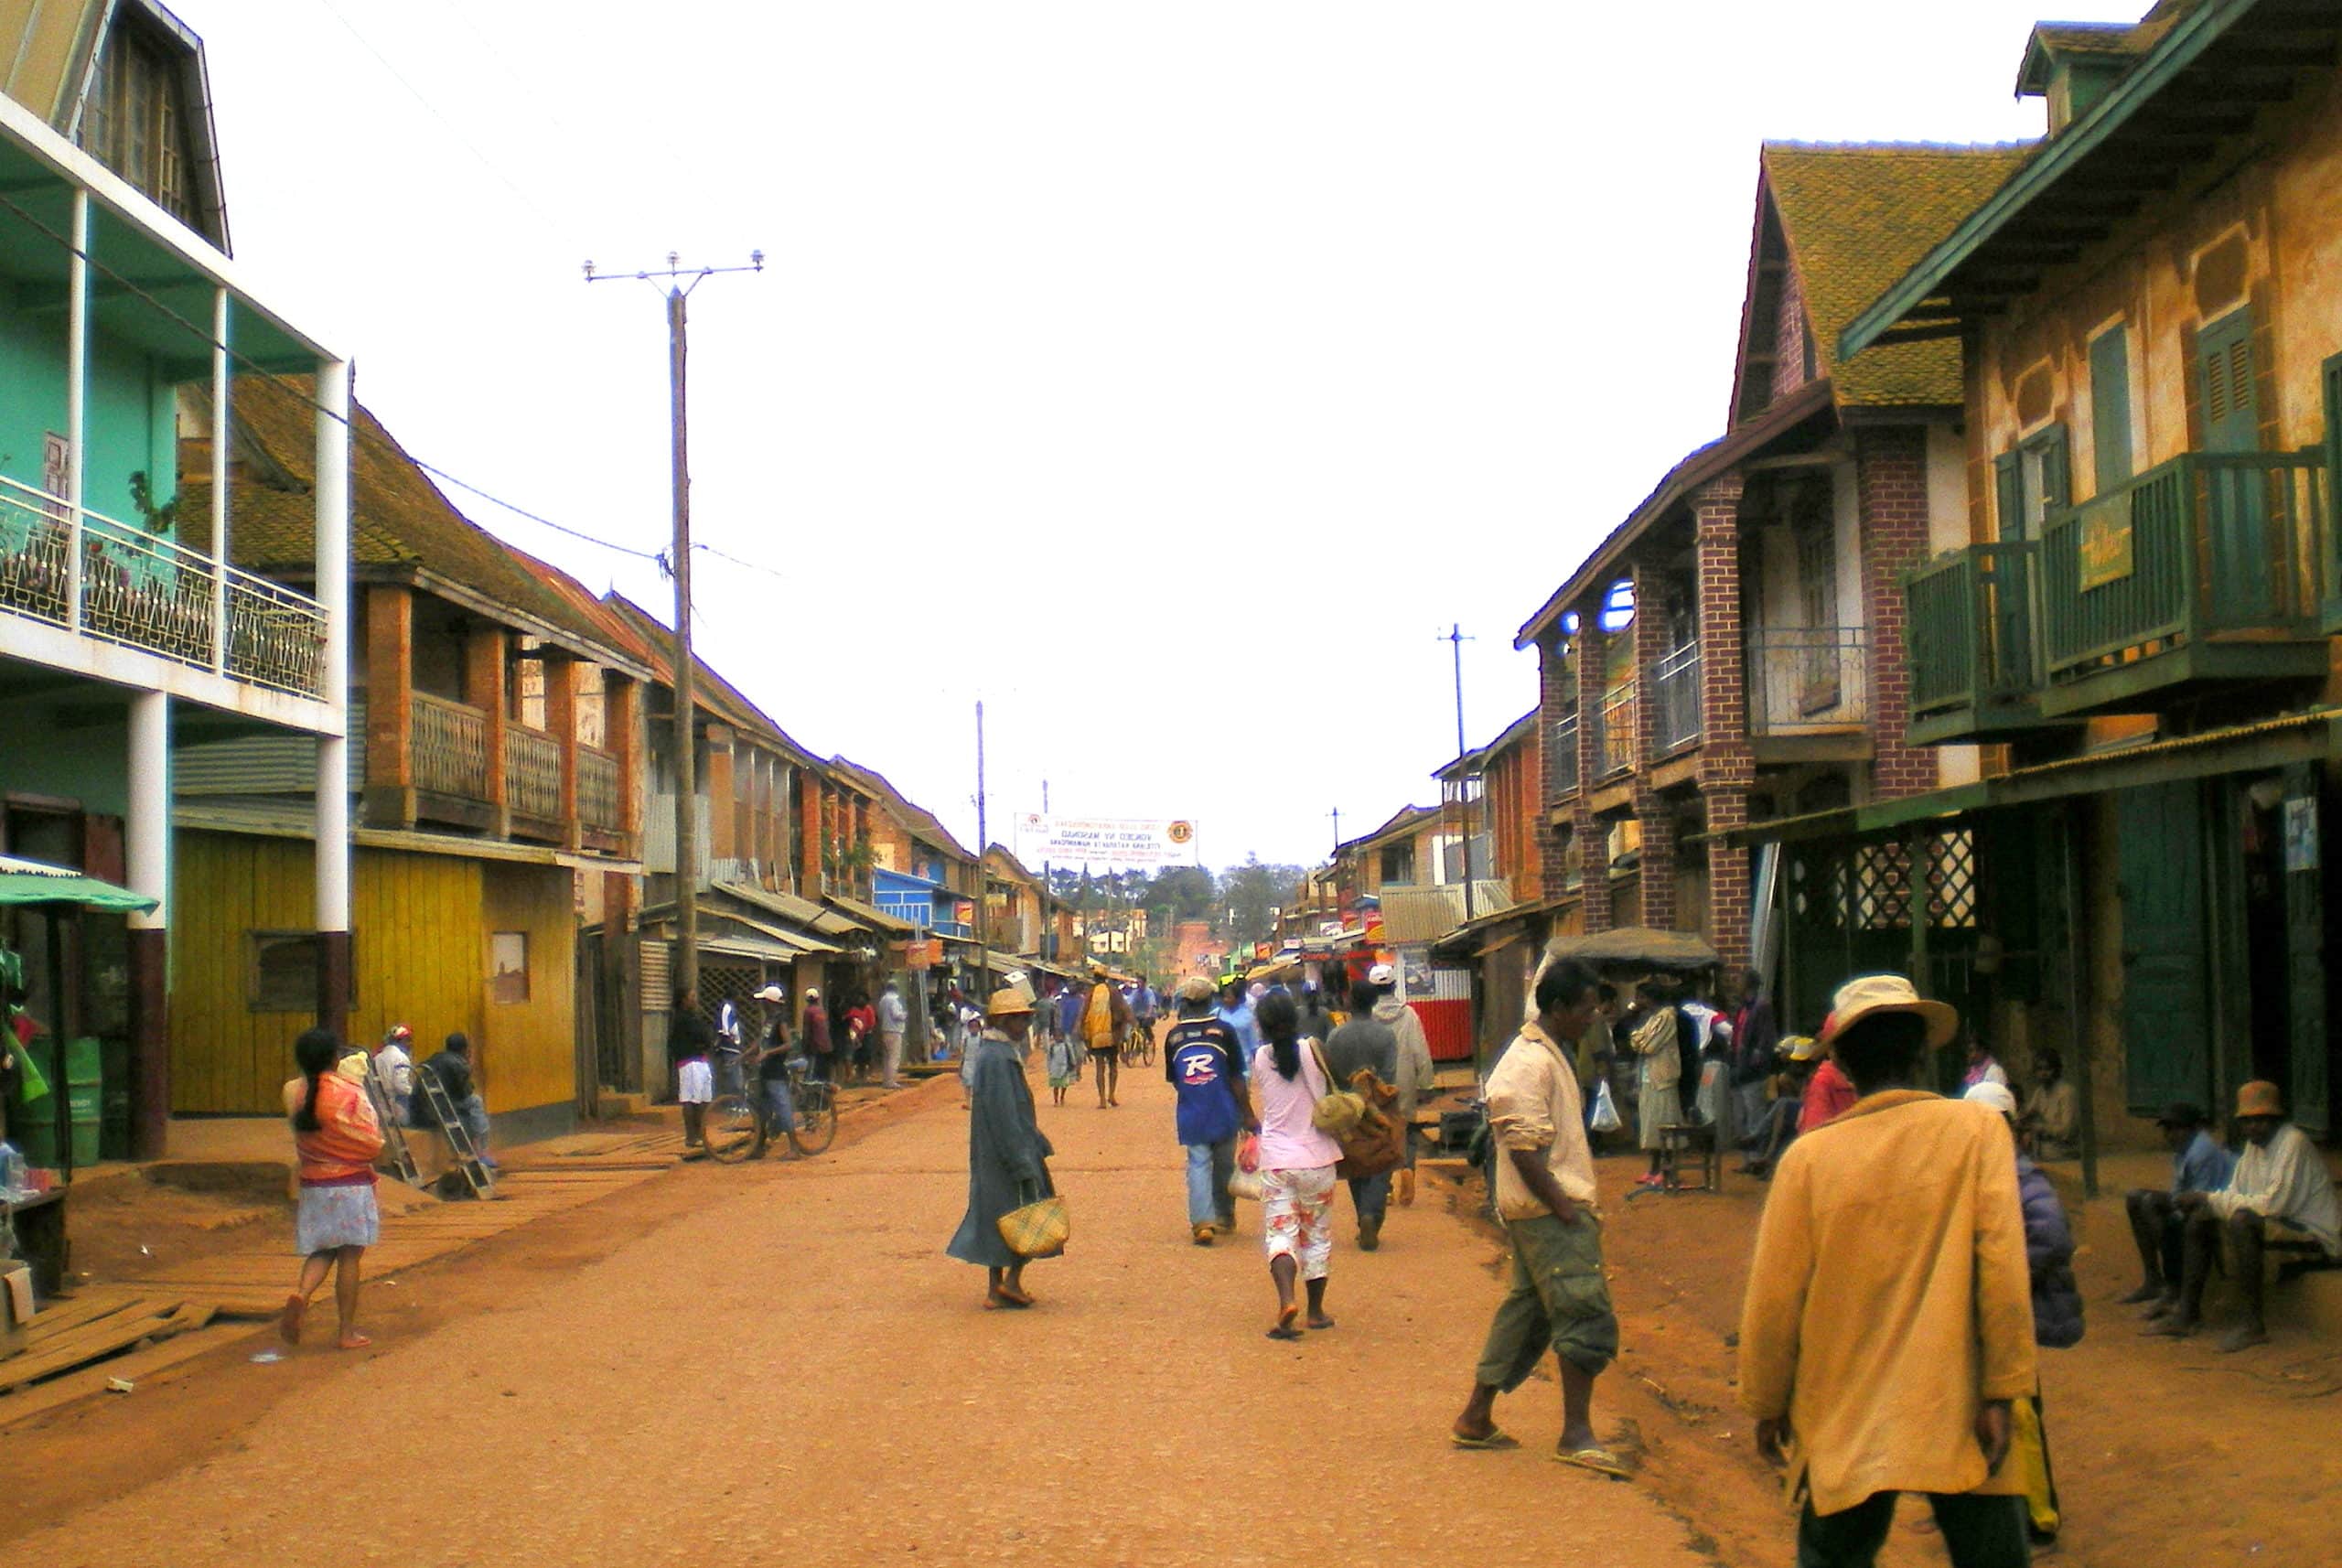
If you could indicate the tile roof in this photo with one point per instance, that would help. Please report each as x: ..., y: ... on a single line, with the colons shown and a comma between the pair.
x: 400, y: 525
x: 917, y: 820
x: 711, y: 693
x: 1856, y: 217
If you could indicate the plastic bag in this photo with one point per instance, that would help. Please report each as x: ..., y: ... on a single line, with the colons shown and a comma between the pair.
x: 1606, y: 1110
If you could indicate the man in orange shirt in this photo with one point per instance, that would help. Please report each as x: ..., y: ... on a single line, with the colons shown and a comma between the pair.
x: 1888, y: 1323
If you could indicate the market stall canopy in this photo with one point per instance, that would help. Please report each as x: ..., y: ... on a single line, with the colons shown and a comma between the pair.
x: 1638, y: 948
x: 38, y: 882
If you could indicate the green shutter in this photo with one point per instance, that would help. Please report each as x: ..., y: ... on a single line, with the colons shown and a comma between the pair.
x: 2166, y: 1011
x: 2110, y: 409
x: 2224, y: 370
x: 2057, y: 470
x: 2333, y: 377
x: 2008, y: 496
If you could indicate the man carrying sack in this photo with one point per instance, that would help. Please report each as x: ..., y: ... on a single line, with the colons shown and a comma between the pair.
x: 1008, y: 1174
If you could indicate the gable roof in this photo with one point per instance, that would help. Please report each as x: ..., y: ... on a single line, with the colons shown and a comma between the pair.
x: 2212, y: 66
x: 1855, y: 217
x: 402, y: 527
x: 1512, y: 735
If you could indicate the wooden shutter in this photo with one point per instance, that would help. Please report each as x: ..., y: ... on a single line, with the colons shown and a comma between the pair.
x: 2008, y: 496
x: 2057, y: 469
x: 2224, y: 359
x: 2110, y: 409
x: 2332, y: 374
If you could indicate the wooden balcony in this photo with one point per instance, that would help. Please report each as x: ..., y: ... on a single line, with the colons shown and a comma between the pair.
x: 532, y: 782
x: 2207, y: 571
x: 1969, y: 645
x: 447, y: 742
x: 601, y: 792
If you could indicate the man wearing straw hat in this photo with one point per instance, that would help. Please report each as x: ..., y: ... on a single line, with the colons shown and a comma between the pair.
x: 1007, y: 1154
x: 2280, y: 1190
x: 1888, y: 1323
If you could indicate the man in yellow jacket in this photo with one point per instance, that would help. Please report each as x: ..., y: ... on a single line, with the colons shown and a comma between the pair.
x: 1889, y: 1316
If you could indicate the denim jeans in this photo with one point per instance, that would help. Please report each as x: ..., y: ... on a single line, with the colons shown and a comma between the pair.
x: 473, y: 1114
x: 1371, y: 1196
x: 781, y: 1110
x: 1209, y: 1167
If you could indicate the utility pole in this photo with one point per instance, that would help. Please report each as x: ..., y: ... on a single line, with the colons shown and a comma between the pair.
x: 1455, y: 639
x: 984, y: 879
x: 676, y: 282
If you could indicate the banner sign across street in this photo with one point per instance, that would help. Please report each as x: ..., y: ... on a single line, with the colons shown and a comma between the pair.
x: 1105, y: 841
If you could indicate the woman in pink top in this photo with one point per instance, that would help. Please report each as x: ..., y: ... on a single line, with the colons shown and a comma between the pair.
x: 1297, y: 1163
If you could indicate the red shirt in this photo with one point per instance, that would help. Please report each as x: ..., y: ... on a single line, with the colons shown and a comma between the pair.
x: 1827, y: 1094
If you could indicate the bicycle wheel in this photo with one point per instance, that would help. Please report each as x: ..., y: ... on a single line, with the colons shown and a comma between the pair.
x: 817, y: 1118
x: 731, y: 1127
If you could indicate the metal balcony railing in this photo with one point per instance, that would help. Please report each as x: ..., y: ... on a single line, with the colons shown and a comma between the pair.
x: 1561, y: 758
x: 449, y: 745
x: 2210, y: 541
x: 110, y: 580
x: 531, y: 772
x: 1614, y: 742
x: 1807, y: 678
x: 1674, y: 679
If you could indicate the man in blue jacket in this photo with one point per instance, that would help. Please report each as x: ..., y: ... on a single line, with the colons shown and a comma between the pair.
x: 1202, y: 1060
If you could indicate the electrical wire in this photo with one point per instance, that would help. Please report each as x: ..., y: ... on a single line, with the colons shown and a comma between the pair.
x: 283, y: 388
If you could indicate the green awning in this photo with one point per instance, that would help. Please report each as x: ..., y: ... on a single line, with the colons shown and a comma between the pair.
x: 38, y: 882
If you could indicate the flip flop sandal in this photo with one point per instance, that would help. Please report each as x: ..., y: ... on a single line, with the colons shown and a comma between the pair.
x: 1601, y: 1461
x: 1496, y: 1439
x: 1287, y: 1324
x: 288, y: 1319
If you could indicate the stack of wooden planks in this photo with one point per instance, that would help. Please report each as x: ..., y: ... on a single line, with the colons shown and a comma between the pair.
x: 81, y: 1344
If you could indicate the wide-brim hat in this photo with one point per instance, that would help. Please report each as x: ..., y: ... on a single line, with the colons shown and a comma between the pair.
x: 2259, y: 1097
x: 1008, y: 1003
x: 1197, y: 988
x: 1869, y: 996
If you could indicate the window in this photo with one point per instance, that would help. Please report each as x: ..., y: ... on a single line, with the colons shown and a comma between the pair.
x: 2109, y: 408
x: 2231, y: 421
x: 136, y: 121
x: 1398, y: 863
x: 2030, y: 483
x: 284, y: 971
x: 508, y: 980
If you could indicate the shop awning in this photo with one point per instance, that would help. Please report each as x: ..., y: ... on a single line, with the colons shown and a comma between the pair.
x: 2275, y: 743
x: 39, y: 882
x: 797, y: 911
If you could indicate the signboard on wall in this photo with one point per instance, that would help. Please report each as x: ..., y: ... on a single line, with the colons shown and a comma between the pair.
x: 2105, y: 546
x: 1105, y: 841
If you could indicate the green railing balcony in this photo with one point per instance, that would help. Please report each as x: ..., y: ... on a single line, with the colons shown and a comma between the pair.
x: 2207, y: 569
x: 1969, y: 644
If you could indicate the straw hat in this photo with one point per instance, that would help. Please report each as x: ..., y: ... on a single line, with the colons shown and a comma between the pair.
x: 1008, y: 1003
x: 1868, y: 995
x: 2259, y: 1097
x: 1995, y: 1095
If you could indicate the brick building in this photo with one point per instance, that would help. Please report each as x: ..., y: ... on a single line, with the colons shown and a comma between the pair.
x: 1732, y: 651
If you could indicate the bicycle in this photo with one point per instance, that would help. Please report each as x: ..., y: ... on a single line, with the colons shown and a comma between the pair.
x: 1138, y: 1046
x: 738, y: 1126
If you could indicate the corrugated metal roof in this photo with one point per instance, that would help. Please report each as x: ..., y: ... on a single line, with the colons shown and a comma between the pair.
x: 789, y: 906
x: 1427, y: 914
x: 877, y: 919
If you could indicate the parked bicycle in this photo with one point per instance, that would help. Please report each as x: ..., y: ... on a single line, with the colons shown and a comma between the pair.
x: 739, y: 1123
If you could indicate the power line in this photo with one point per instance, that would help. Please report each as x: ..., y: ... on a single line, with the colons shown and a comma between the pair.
x: 547, y: 219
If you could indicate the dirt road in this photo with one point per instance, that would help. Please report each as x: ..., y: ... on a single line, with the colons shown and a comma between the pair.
x: 742, y: 1364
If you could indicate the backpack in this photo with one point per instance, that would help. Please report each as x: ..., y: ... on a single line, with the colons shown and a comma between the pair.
x: 1098, y: 1018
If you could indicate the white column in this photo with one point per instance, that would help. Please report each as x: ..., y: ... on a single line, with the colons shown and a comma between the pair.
x: 146, y: 834
x: 333, y: 593
x: 222, y: 388
x: 77, y: 387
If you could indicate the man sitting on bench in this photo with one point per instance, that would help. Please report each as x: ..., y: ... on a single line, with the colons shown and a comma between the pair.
x: 2200, y: 1162
x: 2279, y: 1196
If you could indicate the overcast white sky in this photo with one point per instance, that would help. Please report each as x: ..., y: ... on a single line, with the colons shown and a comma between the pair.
x: 1169, y: 377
